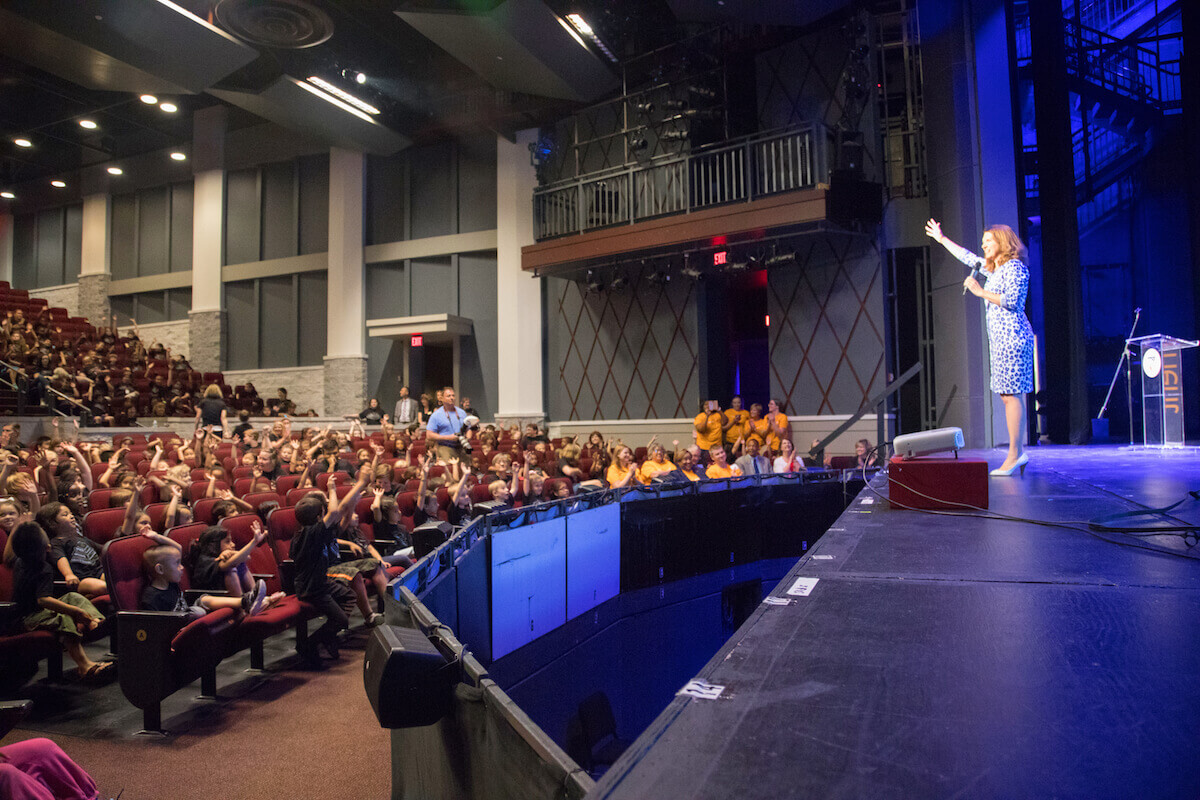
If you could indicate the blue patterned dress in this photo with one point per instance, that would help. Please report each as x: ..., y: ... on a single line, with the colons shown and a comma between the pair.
x: 1010, y: 336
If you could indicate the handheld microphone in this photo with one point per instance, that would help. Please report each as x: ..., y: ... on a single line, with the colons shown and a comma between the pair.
x: 972, y: 275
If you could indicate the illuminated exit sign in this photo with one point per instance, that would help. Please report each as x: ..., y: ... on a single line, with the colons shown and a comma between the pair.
x: 418, y: 340
x: 720, y: 257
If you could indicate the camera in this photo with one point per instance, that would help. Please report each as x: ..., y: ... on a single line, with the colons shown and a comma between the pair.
x: 469, y: 423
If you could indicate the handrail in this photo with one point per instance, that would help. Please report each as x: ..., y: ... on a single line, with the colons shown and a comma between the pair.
x: 668, y: 158
x: 14, y: 368
x: 734, y: 171
x: 70, y: 400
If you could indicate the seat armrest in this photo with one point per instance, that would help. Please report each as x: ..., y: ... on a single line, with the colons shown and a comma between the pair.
x: 144, y: 642
x: 11, y: 713
x: 192, y: 596
x: 287, y: 575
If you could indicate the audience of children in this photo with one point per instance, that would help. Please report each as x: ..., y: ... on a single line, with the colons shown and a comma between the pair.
x: 339, y: 565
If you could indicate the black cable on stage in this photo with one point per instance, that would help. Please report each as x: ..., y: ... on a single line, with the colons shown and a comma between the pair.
x: 1190, y: 534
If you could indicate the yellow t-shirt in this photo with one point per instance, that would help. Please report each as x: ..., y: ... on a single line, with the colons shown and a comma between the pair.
x: 781, y: 421
x: 616, y: 475
x: 650, y: 468
x: 690, y: 475
x: 728, y: 471
x: 757, y: 429
x: 708, y: 429
x: 738, y: 428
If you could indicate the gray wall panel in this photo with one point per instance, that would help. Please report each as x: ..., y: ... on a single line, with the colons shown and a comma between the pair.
x: 73, y: 244
x: 280, y: 212
x: 123, y: 236
x: 385, y: 363
x: 242, y: 310
x: 387, y: 199
x: 242, y: 217
x: 432, y: 287
x: 122, y: 307
x: 150, y: 307
x: 314, y: 204
x: 182, y: 213
x: 477, y: 184
x: 179, y: 302
x: 314, y: 286
x: 479, y: 354
x: 432, y: 190
x: 277, y: 322
x: 152, y: 255
x: 24, y: 248
x: 50, y: 228
x: 387, y: 290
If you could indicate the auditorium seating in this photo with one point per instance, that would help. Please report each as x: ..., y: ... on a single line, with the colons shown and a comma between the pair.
x: 21, y: 650
x: 161, y: 651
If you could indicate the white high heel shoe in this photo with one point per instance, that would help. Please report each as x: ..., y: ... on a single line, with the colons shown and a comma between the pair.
x: 1019, y: 464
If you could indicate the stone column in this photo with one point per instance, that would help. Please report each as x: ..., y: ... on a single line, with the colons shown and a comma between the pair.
x: 518, y: 293
x: 207, y: 326
x: 94, y: 268
x: 346, y: 353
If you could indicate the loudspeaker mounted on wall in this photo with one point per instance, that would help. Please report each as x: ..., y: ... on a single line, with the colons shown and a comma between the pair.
x: 408, y: 680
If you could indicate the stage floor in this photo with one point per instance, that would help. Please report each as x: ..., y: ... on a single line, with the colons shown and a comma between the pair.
x: 945, y: 656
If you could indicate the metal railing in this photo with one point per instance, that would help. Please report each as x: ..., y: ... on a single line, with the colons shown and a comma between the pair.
x: 12, y: 379
x: 734, y: 172
x: 1122, y: 66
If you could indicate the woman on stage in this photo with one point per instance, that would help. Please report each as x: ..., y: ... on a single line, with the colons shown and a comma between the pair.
x: 1010, y: 336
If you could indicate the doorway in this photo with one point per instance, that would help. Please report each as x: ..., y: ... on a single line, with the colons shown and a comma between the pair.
x: 439, y: 367
x: 749, y: 350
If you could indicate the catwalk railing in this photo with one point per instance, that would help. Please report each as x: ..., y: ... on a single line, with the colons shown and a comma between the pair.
x: 737, y: 171
x: 1122, y: 66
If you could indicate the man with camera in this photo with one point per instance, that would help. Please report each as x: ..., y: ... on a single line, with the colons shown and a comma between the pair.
x: 446, y: 427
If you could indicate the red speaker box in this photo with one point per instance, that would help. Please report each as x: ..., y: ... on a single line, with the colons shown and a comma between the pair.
x: 949, y: 481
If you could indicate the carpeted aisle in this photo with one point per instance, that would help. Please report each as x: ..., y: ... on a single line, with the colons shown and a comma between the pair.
x: 294, y: 733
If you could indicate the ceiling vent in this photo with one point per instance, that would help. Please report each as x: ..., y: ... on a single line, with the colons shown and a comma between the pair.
x: 278, y: 24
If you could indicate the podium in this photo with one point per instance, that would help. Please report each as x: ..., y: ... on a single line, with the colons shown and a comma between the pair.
x: 1162, y: 388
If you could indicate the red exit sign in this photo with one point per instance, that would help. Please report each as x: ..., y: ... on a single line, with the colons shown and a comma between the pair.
x: 720, y: 257
x: 418, y: 340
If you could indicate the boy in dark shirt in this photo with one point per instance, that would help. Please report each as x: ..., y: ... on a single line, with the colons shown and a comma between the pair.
x: 162, y: 593
x: 314, y: 549
x: 239, y: 430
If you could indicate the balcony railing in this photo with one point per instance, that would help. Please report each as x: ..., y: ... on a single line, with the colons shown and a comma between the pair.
x: 734, y: 172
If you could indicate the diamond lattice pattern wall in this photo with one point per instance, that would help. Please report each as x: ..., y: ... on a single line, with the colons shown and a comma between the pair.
x: 827, y: 327
x: 630, y: 354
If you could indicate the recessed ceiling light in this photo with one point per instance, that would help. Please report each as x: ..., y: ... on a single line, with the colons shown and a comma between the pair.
x: 360, y: 78
x: 58, y: 184
x: 179, y: 156
x: 8, y: 195
x: 149, y: 99
x: 115, y: 171
x: 170, y: 108
x: 87, y: 123
x: 22, y: 143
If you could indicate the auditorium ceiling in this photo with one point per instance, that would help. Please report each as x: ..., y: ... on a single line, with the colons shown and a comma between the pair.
x: 429, y: 68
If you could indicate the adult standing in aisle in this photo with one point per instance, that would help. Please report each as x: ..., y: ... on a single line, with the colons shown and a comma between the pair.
x: 406, y: 411
x: 445, y: 425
